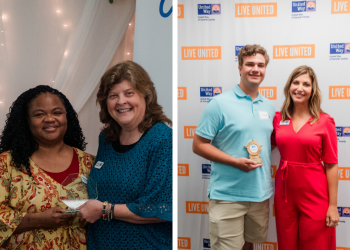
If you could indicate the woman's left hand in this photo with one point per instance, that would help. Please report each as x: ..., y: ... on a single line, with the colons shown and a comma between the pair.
x: 91, y: 210
x: 332, y: 219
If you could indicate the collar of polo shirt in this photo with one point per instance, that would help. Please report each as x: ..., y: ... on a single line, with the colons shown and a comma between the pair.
x: 239, y: 92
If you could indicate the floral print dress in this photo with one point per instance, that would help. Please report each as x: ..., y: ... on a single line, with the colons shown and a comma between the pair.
x: 21, y: 194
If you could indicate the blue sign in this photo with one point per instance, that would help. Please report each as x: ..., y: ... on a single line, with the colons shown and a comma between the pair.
x: 209, y: 9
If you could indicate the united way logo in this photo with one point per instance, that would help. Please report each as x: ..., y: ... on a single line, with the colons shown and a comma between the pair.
x: 303, y: 6
x: 339, y: 48
x: 344, y: 211
x: 208, y: 92
x: 206, y: 243
x: 343, y: 131
x: 209, y: 9
x: 206, y: 170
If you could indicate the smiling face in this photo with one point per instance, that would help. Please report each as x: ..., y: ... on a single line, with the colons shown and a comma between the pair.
x: 252, y: 70
x: 300, y: 89
x: 47, y: 119
x: 126, y: 106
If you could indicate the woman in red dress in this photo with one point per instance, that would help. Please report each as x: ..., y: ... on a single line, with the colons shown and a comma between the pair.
x: 307, y: 177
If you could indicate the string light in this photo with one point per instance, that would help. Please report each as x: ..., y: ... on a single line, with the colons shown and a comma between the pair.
x: 58, y: 11
x: 65, y: 25
x: 129, y: 23
x: 128, y: 53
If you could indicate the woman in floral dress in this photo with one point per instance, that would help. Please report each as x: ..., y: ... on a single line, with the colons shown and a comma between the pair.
x: 41, y: 161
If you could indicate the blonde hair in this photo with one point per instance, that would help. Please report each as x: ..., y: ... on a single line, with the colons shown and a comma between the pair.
x: 314, y: 100
x: 252, y: 50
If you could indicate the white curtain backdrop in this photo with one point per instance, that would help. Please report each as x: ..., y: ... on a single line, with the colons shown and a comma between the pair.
x: 91, y: 48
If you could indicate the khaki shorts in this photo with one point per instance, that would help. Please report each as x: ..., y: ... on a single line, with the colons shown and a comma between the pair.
x: 232, y: 223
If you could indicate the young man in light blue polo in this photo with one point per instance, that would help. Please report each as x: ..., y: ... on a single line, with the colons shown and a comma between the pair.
x: 239, y: 188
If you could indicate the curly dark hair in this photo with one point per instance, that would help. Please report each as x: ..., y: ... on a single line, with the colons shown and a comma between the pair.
x: 16, y: 136
x: 140, y: 80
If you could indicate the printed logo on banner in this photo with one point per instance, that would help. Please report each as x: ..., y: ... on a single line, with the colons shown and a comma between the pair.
x: 207, y: 12
x: 197, y: 207
x: 208, y: 92
x: 339, y: 51
x: 255, y: 10
x: 180, y: 11
x: 184, y: 243
x: 189, y: 132
x: 339, y: 92
x: 344, y: 211
x: 269, y: 92
x: 183, y: 169
x: 201, y: 53
x: 344, y: 173
x: 182, y: 93
x: 237, y: 50
x: 294, y: 51
x: 302, y: 9
x: 265, y: 246
x: 343, y: 131
x: 340, y: 7
x: 206, y: 243
x: 206, y: 170
x: 273, y: 171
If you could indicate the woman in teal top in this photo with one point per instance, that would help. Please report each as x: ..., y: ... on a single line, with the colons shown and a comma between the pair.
x: 133, y: 167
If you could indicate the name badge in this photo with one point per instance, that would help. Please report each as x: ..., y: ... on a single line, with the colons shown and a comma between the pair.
x: 99, y: 164
x: 264, y: 115
x: 84, y: 179
x: 286, y: 122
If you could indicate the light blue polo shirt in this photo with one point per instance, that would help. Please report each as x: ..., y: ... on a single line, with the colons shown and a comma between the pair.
x: 231, y: 120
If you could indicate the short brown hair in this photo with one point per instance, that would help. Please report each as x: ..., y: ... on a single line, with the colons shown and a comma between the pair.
x: 141, y: 82
x: 315, y: 98
x: 252, y: 50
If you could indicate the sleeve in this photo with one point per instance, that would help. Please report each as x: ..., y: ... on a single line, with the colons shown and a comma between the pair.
x: 156, y: 200
x: 9, y: 217
x: 329, y: 142
x: 210, y: 121
x: 273, y: 134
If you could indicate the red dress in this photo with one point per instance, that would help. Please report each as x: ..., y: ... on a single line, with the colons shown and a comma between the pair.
x: 301, y: 195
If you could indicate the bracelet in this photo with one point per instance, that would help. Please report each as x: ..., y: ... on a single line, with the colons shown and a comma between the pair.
x: 104, y: 215
x: 108, y: 211
x: 112, y: 211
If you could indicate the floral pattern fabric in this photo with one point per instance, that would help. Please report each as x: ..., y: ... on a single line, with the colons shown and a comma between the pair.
x: 21, y: 194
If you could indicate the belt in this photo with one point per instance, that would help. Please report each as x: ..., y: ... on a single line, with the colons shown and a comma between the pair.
x: 284, y: 170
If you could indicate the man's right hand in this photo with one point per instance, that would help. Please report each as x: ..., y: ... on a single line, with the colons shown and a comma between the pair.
x: 246, y: 165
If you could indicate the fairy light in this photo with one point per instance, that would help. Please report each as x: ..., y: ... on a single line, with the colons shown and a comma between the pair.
x: 58, y: 11
x: 65, y: 25
x: 128, y: 53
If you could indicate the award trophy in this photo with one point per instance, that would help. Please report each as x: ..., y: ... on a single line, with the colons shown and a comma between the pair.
x: 254, y: 149
x: 87, y: 188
